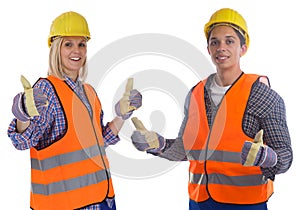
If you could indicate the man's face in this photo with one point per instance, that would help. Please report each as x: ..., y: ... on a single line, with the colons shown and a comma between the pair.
x: 224, y: 47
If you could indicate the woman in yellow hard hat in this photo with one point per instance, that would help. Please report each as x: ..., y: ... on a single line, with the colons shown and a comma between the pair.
x: 60, y: 120
x: 234, y: 132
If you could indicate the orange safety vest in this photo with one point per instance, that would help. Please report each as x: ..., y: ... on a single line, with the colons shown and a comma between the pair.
x: 73, y: 172
x: 214, y: 153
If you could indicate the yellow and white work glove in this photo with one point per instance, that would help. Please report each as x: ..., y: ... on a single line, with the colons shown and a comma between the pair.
x: 145, y: 140
x: 131, y: 100
x: 28, y: 103
x: 257, y: 154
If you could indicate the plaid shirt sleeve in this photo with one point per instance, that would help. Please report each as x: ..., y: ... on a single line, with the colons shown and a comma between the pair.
x: 109, y: 137
x: 174, y: 149
x: 266, y: 110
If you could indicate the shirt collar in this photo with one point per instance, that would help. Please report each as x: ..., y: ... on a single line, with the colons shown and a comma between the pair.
x: 73, y: 84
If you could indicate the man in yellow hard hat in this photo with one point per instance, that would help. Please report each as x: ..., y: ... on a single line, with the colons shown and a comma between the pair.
x: 60, y: 119
x: 234, y: 133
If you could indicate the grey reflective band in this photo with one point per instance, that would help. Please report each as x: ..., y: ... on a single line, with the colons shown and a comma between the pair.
x: 197, y: 178
x: 66, y: 158
x: 70, y: 184
x: 242, y: 181
x: 215, y: 155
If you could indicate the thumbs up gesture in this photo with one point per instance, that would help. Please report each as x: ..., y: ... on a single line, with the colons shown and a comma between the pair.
x: 29, y: 103
x: 131, y: 100
x: 145, y: 140
x: 257, y: 154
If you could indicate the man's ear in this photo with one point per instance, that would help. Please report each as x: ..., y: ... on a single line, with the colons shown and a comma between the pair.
x: 243, y: 50
x: 208, y: 50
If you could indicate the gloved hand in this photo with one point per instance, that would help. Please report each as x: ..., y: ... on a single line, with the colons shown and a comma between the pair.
x: 29, y: 103
x: 257, y: 154
x: 131, y: 100
x: 145, y: 140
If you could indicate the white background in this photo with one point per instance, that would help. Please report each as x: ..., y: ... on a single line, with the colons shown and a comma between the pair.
x: 274, y: 51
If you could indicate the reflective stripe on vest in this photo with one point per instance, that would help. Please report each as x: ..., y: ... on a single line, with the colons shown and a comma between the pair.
x: 73, y: 172
x: 214, y: 153
x: 242, y: 181
x: 67, y: 158
x: 70, y: 184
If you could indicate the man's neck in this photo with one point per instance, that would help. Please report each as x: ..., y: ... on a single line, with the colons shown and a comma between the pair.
x: 226, y: 77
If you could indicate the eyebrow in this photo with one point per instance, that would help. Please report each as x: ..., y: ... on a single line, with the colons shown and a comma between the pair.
x: 68, y: 39
x: 228, y: 36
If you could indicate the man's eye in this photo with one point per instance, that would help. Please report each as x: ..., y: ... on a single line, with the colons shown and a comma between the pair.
x: 213, y: 43
x: 229, y: 41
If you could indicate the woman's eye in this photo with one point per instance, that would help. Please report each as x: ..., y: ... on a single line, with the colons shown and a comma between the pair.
x: 68, y: 44
x: 82, y: 45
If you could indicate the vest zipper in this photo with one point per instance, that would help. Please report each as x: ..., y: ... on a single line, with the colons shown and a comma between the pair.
x: 97, y: 140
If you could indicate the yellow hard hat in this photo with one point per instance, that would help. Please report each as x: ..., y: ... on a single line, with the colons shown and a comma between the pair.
x: 69, y: 24
x: 229, y: 17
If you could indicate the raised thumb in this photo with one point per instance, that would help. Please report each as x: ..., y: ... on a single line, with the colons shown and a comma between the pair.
x: 259, y: 137
x: 129, y: 86
x: 138, y: 124
x: 25, y: 83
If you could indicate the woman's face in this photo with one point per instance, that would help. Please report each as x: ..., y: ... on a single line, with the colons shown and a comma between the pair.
x: 73, y: 55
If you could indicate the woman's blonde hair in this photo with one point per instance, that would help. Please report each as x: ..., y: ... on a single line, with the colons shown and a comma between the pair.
x: 55, y: 65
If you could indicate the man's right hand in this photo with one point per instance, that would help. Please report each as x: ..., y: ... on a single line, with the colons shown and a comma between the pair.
x: 145, y: 140
x: 29, y: 103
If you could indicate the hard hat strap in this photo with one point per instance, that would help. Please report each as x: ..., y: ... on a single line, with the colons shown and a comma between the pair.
x: 54, y: 38
x: 241, y: 31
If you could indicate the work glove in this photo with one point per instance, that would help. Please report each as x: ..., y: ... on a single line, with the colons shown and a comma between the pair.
x: 257, y: 154
x: 131, y: 100
x: 29, y: 103
x: 145, y: 140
